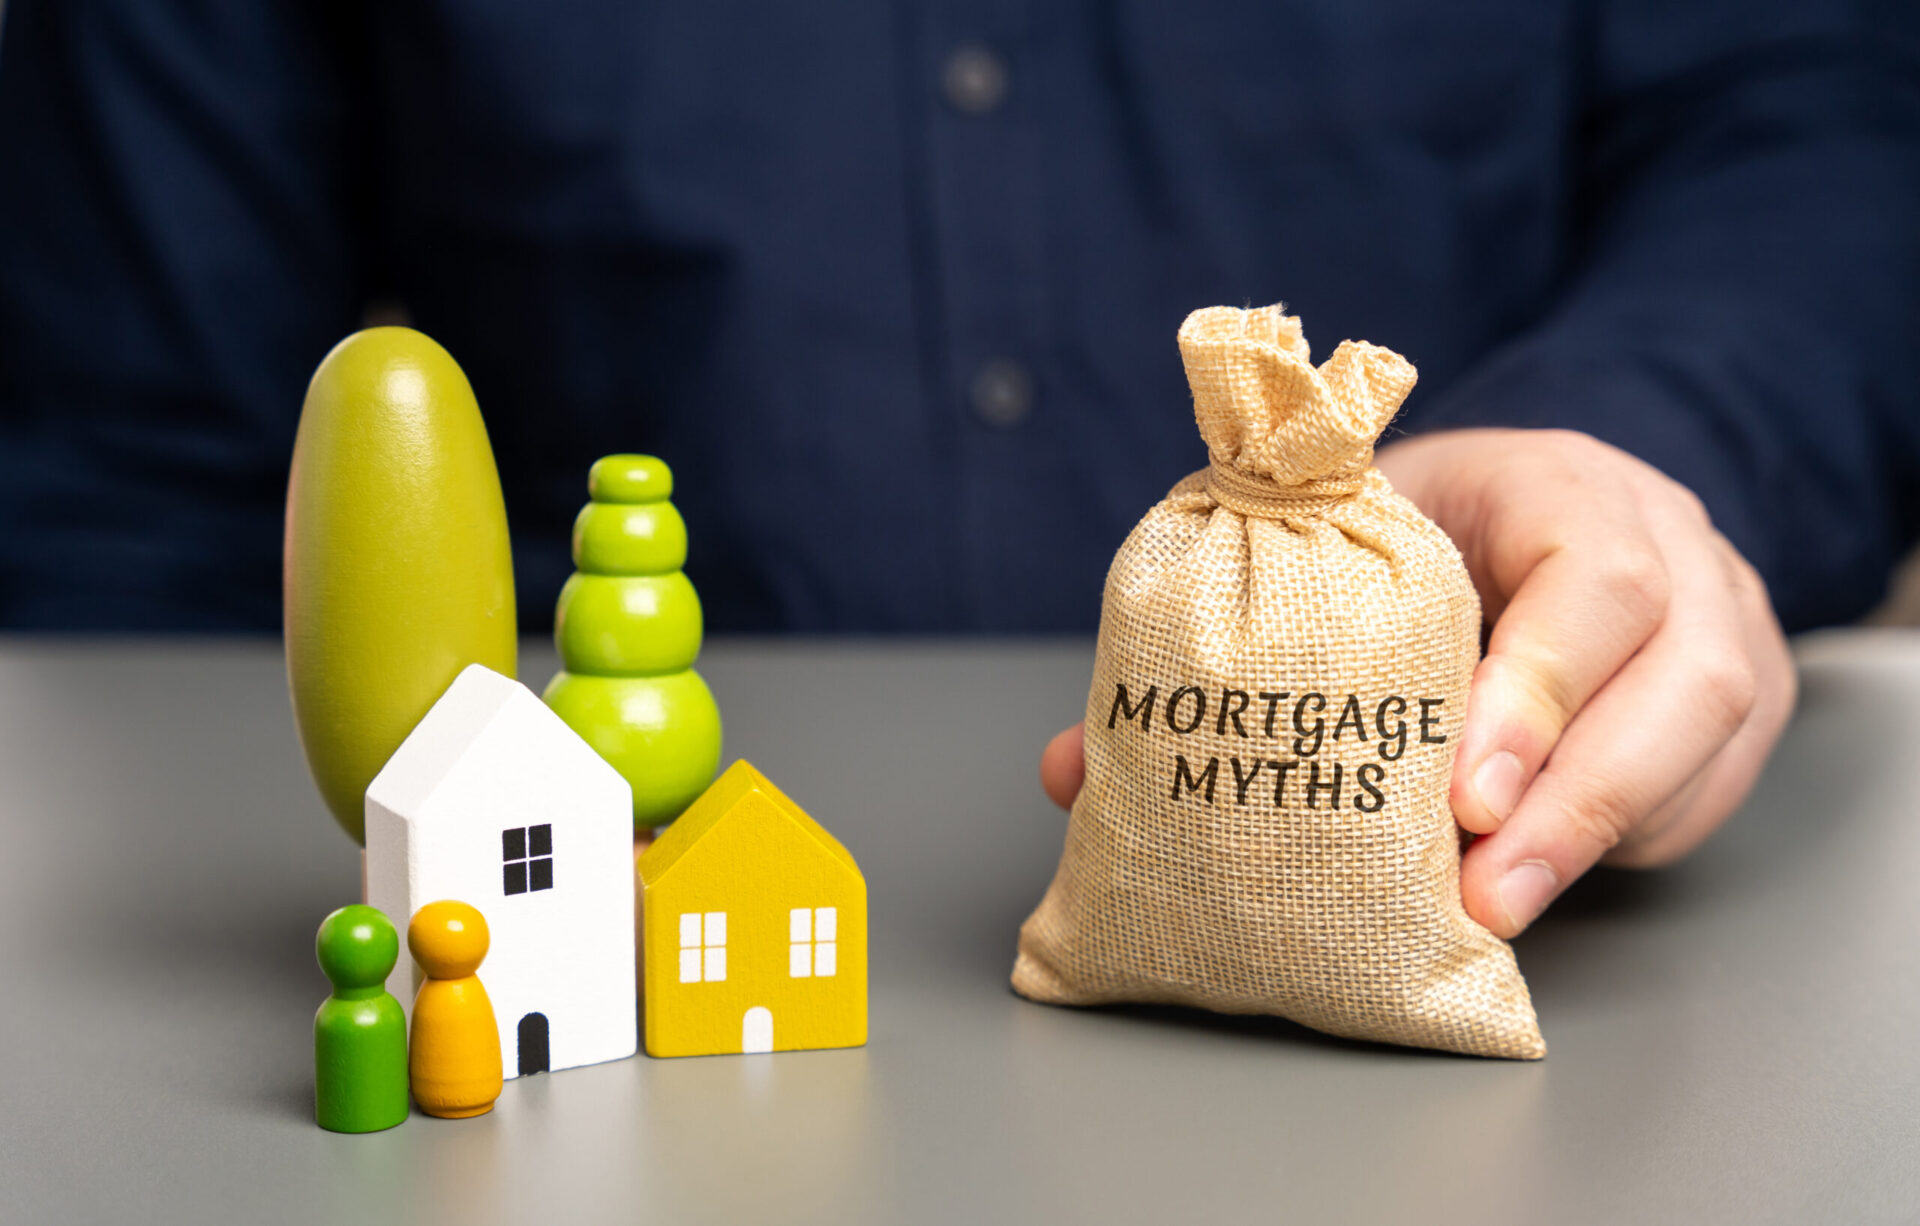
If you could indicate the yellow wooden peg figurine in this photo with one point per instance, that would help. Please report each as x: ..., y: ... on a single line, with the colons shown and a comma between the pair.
x: 754, y: 924
x: 454, y: 1062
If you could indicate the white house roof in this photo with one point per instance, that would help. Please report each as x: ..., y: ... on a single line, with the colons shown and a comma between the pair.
x: 484, y: 723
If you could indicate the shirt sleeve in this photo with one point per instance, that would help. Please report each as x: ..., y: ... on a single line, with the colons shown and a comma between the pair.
x: 1742, y: 309
x: 178, y: 247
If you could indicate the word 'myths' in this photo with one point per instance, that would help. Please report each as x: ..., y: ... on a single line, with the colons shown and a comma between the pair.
x: 1368, y: 778
x: 1188, y: 708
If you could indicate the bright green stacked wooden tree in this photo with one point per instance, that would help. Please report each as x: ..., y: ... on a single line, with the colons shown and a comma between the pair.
x: 629, y: 629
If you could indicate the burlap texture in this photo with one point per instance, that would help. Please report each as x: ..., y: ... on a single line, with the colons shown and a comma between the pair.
x: 1223, y: 853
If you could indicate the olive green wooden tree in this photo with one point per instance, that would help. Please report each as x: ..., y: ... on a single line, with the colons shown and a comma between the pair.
x: 397, y: 570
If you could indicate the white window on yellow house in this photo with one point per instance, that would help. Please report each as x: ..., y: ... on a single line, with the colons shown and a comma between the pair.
x: 703, y: 946
x: 812, y: 935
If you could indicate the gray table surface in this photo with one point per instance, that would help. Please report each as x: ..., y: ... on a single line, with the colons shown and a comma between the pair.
x: 1737, y: 1039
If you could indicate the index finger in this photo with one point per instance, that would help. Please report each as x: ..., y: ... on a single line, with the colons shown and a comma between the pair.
x: 1063, y: 766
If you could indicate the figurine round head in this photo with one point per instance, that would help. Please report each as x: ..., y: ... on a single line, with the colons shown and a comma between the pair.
x: 448, y: 939
x: 357, y: 947
x: 629, y: 478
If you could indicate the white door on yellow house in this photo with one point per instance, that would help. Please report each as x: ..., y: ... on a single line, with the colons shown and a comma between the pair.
x: 756, y: 1030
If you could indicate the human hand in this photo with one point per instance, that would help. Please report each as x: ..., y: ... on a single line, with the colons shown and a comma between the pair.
x: 1634, y: 682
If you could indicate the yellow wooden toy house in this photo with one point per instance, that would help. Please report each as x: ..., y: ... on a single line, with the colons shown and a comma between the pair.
x: 753, y: 928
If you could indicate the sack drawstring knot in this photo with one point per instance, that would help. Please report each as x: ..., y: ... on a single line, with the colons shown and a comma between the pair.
x: 1258, y: 497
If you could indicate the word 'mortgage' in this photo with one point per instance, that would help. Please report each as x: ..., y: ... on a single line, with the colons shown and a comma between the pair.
x: 1305, y: 724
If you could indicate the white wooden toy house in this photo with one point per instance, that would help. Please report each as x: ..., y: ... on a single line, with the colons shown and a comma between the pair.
x: 494, y: 801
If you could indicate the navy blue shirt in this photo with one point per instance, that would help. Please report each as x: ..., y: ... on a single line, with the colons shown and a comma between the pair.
x: 894, y: 287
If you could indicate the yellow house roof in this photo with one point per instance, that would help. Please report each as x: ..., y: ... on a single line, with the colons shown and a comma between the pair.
x: 735, y: 784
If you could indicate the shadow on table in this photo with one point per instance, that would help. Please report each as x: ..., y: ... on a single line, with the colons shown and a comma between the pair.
x: 1573, y: 953
x: 1261, y: 1027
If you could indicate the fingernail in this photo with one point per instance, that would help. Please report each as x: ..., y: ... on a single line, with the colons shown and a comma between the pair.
x: 1526, y: 890
x: 1497, y: 783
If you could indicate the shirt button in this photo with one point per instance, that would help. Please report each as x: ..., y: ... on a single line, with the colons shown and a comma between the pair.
x: 974, y: 79
x: 1002, y: 393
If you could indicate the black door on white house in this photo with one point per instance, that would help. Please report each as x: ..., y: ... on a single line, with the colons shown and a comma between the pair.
x: 533, y: 1044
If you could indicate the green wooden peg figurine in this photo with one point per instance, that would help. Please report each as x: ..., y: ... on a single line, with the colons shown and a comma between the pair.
x: 628, y: 627
x: 360, y: 1032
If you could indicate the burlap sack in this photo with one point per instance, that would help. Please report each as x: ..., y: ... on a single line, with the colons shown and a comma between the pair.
x: 1279, y: 686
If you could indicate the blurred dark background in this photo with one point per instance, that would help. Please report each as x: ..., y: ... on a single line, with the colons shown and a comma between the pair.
x: 894, y: 287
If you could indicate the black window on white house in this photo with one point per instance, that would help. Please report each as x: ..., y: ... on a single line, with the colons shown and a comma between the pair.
x: 526, y: 853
